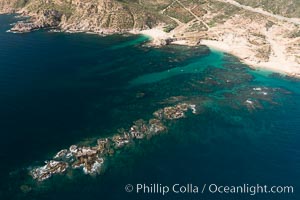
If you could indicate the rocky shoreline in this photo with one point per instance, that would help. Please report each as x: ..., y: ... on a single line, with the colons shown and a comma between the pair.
x: 257, y: 37
x: 24, y: 27
x: 32, y: 25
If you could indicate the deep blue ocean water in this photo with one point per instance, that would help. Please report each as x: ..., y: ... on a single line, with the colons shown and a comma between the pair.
x: 60, y: 89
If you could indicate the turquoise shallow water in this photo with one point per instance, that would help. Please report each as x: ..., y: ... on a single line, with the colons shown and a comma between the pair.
x: 60, y: 89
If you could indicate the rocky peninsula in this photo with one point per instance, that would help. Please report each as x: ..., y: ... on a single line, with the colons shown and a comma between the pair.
x: 263, y: 35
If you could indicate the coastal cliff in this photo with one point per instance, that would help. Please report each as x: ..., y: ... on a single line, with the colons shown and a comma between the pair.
x: 260, y: 33
x: 99, y: 16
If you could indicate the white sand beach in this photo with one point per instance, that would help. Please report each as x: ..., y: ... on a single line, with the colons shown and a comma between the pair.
x: 239, y: 46
x: 278, y: 61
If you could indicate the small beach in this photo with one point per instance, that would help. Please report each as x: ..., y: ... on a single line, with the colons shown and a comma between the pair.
x: 224, y: 123
x: 278, y: 61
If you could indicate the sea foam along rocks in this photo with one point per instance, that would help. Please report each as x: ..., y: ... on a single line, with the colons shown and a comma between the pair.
x: 156, y: 126
x: 93, y: 167
x: 87, y: 157
x: 24, y: 27
x: 91, y: 158
x: 139, y: 129
x: 119, y: 141
x: 174, y: 112
x: 61, y: 154
x: 51, y: 167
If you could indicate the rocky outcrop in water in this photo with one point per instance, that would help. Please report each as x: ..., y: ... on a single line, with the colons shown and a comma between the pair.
x: 216, y: 91
x: 43, y: 19
x: 91, y: 158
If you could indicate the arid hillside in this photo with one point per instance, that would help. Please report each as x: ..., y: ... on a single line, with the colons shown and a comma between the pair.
x: 261, y: 33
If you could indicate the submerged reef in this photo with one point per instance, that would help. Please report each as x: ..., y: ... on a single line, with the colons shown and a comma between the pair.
x: 91, y: 158
x: 219, y: 91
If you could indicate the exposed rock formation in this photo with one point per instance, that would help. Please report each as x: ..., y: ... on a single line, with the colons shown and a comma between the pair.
x: 91, y: 158
x: 262, y: 35
x: 100, y: 16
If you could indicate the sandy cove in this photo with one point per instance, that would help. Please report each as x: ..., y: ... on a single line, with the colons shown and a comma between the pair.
x: 278, y: 62
x: 265, y: 41
x: 157, y: 35
x: 237, y: 44
x: 258, y: 38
